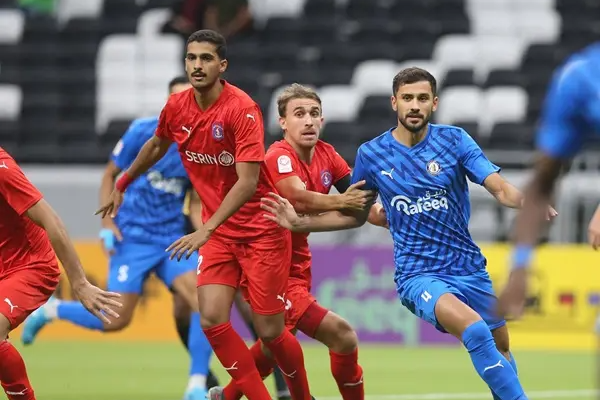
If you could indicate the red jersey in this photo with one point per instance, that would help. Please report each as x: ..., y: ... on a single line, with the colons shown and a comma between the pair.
x: 22, y: 243
x: 211, y: 142
x: 326, y: 168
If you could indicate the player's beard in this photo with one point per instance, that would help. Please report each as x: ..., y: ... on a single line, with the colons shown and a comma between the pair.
x: 414, y: 128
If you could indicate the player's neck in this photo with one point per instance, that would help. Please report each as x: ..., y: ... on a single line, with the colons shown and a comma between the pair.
x: 304, y: 154
x: 207, y: 98
x: 408, y: 138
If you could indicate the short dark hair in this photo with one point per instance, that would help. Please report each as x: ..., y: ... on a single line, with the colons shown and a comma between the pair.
x: 413, y: 75
x: 178, y: 80
x: 206, y: 35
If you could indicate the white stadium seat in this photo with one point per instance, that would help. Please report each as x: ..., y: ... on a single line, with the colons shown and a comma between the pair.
x: 532, y: 5
x: 11, y: 98
x: 12, y: 23
x: 538, y: 26
x: 151, y: 22
x: 454, y: 52
x: 459, y: 104
x: 341, y: 103
x: 493, y: 23
x: 374, y: 77
x: 500, y: 105
x: 69, y: 9
x: 117, y: 68
x: 498, y: 52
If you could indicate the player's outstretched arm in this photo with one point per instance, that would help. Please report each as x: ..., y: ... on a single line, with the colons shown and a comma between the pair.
x: 94, y: 299
x: 282, y: 212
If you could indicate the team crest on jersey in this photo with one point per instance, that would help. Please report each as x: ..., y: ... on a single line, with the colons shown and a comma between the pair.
x: 226, y: 159
x: 326, y: 178
x: 217, y: 131
x: 433, y: 167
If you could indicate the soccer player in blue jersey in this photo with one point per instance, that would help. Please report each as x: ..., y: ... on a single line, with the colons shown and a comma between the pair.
x: 570, y: 116
x: 150, y: 219
x: 420, y: 171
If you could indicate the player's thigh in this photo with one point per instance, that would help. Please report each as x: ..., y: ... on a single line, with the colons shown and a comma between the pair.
x: 242, y: 306
x: 333, y: 331
x: 218, y: 274
x: 131, y: 265
x: 24, y: 291
x: 181, y: 308
x: 129, y: 303
x: 479, y: 292
x: 298, y: 300
x: 430, y: 298
x: 180, y: 276
x: 266, y: 267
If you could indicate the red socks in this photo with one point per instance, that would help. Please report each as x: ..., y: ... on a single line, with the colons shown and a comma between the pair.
x: 289, y: 357
x: 263, y: 364
x: 348, y: 375
x: 237, y: 360
x: 13, y: 374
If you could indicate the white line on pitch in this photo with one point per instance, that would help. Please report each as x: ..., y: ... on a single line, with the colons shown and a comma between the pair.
x: 547, y: 394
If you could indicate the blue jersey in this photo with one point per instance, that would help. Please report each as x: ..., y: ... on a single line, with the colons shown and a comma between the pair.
x: 571, y: 112
x: 425, y: 194
x: 152, y: 211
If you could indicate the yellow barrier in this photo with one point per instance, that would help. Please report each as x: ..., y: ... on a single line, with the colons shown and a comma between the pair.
x: 153, y: 320
x: 564, y: 296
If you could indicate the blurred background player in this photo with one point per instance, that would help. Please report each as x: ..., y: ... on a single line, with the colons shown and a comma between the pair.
x: 32, y: 235
x: 420, y: 171
x: 304, y: 169
x: 150, y: 219
x: 566, y: 125
x: 219, y: 131
x: 194, y: 221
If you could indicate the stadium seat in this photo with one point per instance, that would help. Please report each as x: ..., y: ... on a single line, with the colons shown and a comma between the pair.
x: 509, y: 135
x: 459, y: 103
x: 320, y: 8
x: 459, y: 77
x: 13, y: 25
x: 455, y: 52
x: 538, y: 26
x: 502, y: 105
x: 504, y: 77
x: 10, y: 98
x: 491, y: 22
x: 69, y: 9
x: 498, y: 52
x: 374, y: 77
x: 151, y: 22
x: 340, y: 102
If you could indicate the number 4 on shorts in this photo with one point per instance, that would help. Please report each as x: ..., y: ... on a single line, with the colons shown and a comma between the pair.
x: 426, y: 296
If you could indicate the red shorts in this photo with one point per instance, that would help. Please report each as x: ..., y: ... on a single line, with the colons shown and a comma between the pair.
x: 264, y: 264
x: 302, y: 311
x: 25, y: 290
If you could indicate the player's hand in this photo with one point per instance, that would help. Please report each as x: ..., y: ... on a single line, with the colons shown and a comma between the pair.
x: 112, y: 206
x: 511, y: 302
x: 109, y: 235
x: 377, y: 216
x: 594, y: 230
x: 356, y: 198
x: 97, y: 301
x: 551, y: 213
x: 280, y: 211
x: 188, y: 244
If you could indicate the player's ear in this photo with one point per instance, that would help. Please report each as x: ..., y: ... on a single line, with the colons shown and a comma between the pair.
x: 223, y: 66
x: 435, y: 103
x: 394, y: 104
x: 282, y: 123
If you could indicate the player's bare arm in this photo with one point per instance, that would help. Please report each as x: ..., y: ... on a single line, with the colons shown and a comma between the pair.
x: 307, y: 201
x: 195, y: 209
x: 594, y: 230
x: 151, y: 152
x: 377, y: 215
x: 282, y: 212
x: 242, y: 191
x: 109, y: 228
x: 97, y: 301
x: 507, y: 194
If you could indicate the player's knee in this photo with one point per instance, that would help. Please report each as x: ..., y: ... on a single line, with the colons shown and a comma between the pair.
x: 4, y: 327
x: 477, y: 335
x: 337, y: 334
x: 502, y: 341
x: 118, y: 324
x: 268, y: 327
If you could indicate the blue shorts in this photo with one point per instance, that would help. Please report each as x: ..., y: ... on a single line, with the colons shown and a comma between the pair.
x: 132, y: 263
x: 420, y: 294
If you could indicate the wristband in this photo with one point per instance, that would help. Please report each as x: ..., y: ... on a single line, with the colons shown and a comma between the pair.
x: 122, y: 183
x: 108, y: 239
x: 521, y: 257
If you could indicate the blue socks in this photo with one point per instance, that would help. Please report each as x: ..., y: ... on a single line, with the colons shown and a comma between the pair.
x: 75, y: 312
x: 490, y: 364
x: 199, y: 348
x: 513, y: 364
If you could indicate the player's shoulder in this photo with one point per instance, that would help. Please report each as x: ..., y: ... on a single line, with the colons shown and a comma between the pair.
x: 237, y: 99
x: 178, y: 101
x: 143, y: 124
x: 280, y: 147
x: 376, y: 143
x: 577, y: 66
x: 450, y: 133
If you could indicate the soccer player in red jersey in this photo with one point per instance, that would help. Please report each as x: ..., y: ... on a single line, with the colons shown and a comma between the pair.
x: 30, y: 233
x: 304, y: 169
x: 219, y: 131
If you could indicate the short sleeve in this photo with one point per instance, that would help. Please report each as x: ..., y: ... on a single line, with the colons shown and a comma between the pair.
x: 280, y: 164
x: 129, y: 146
x: 361, y: 171
x: 476, y: 164
x: 249, y: 131
x: 16, y: 189
x: 562, y: 131
x: 163, y: 129
x: 340, y: 167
